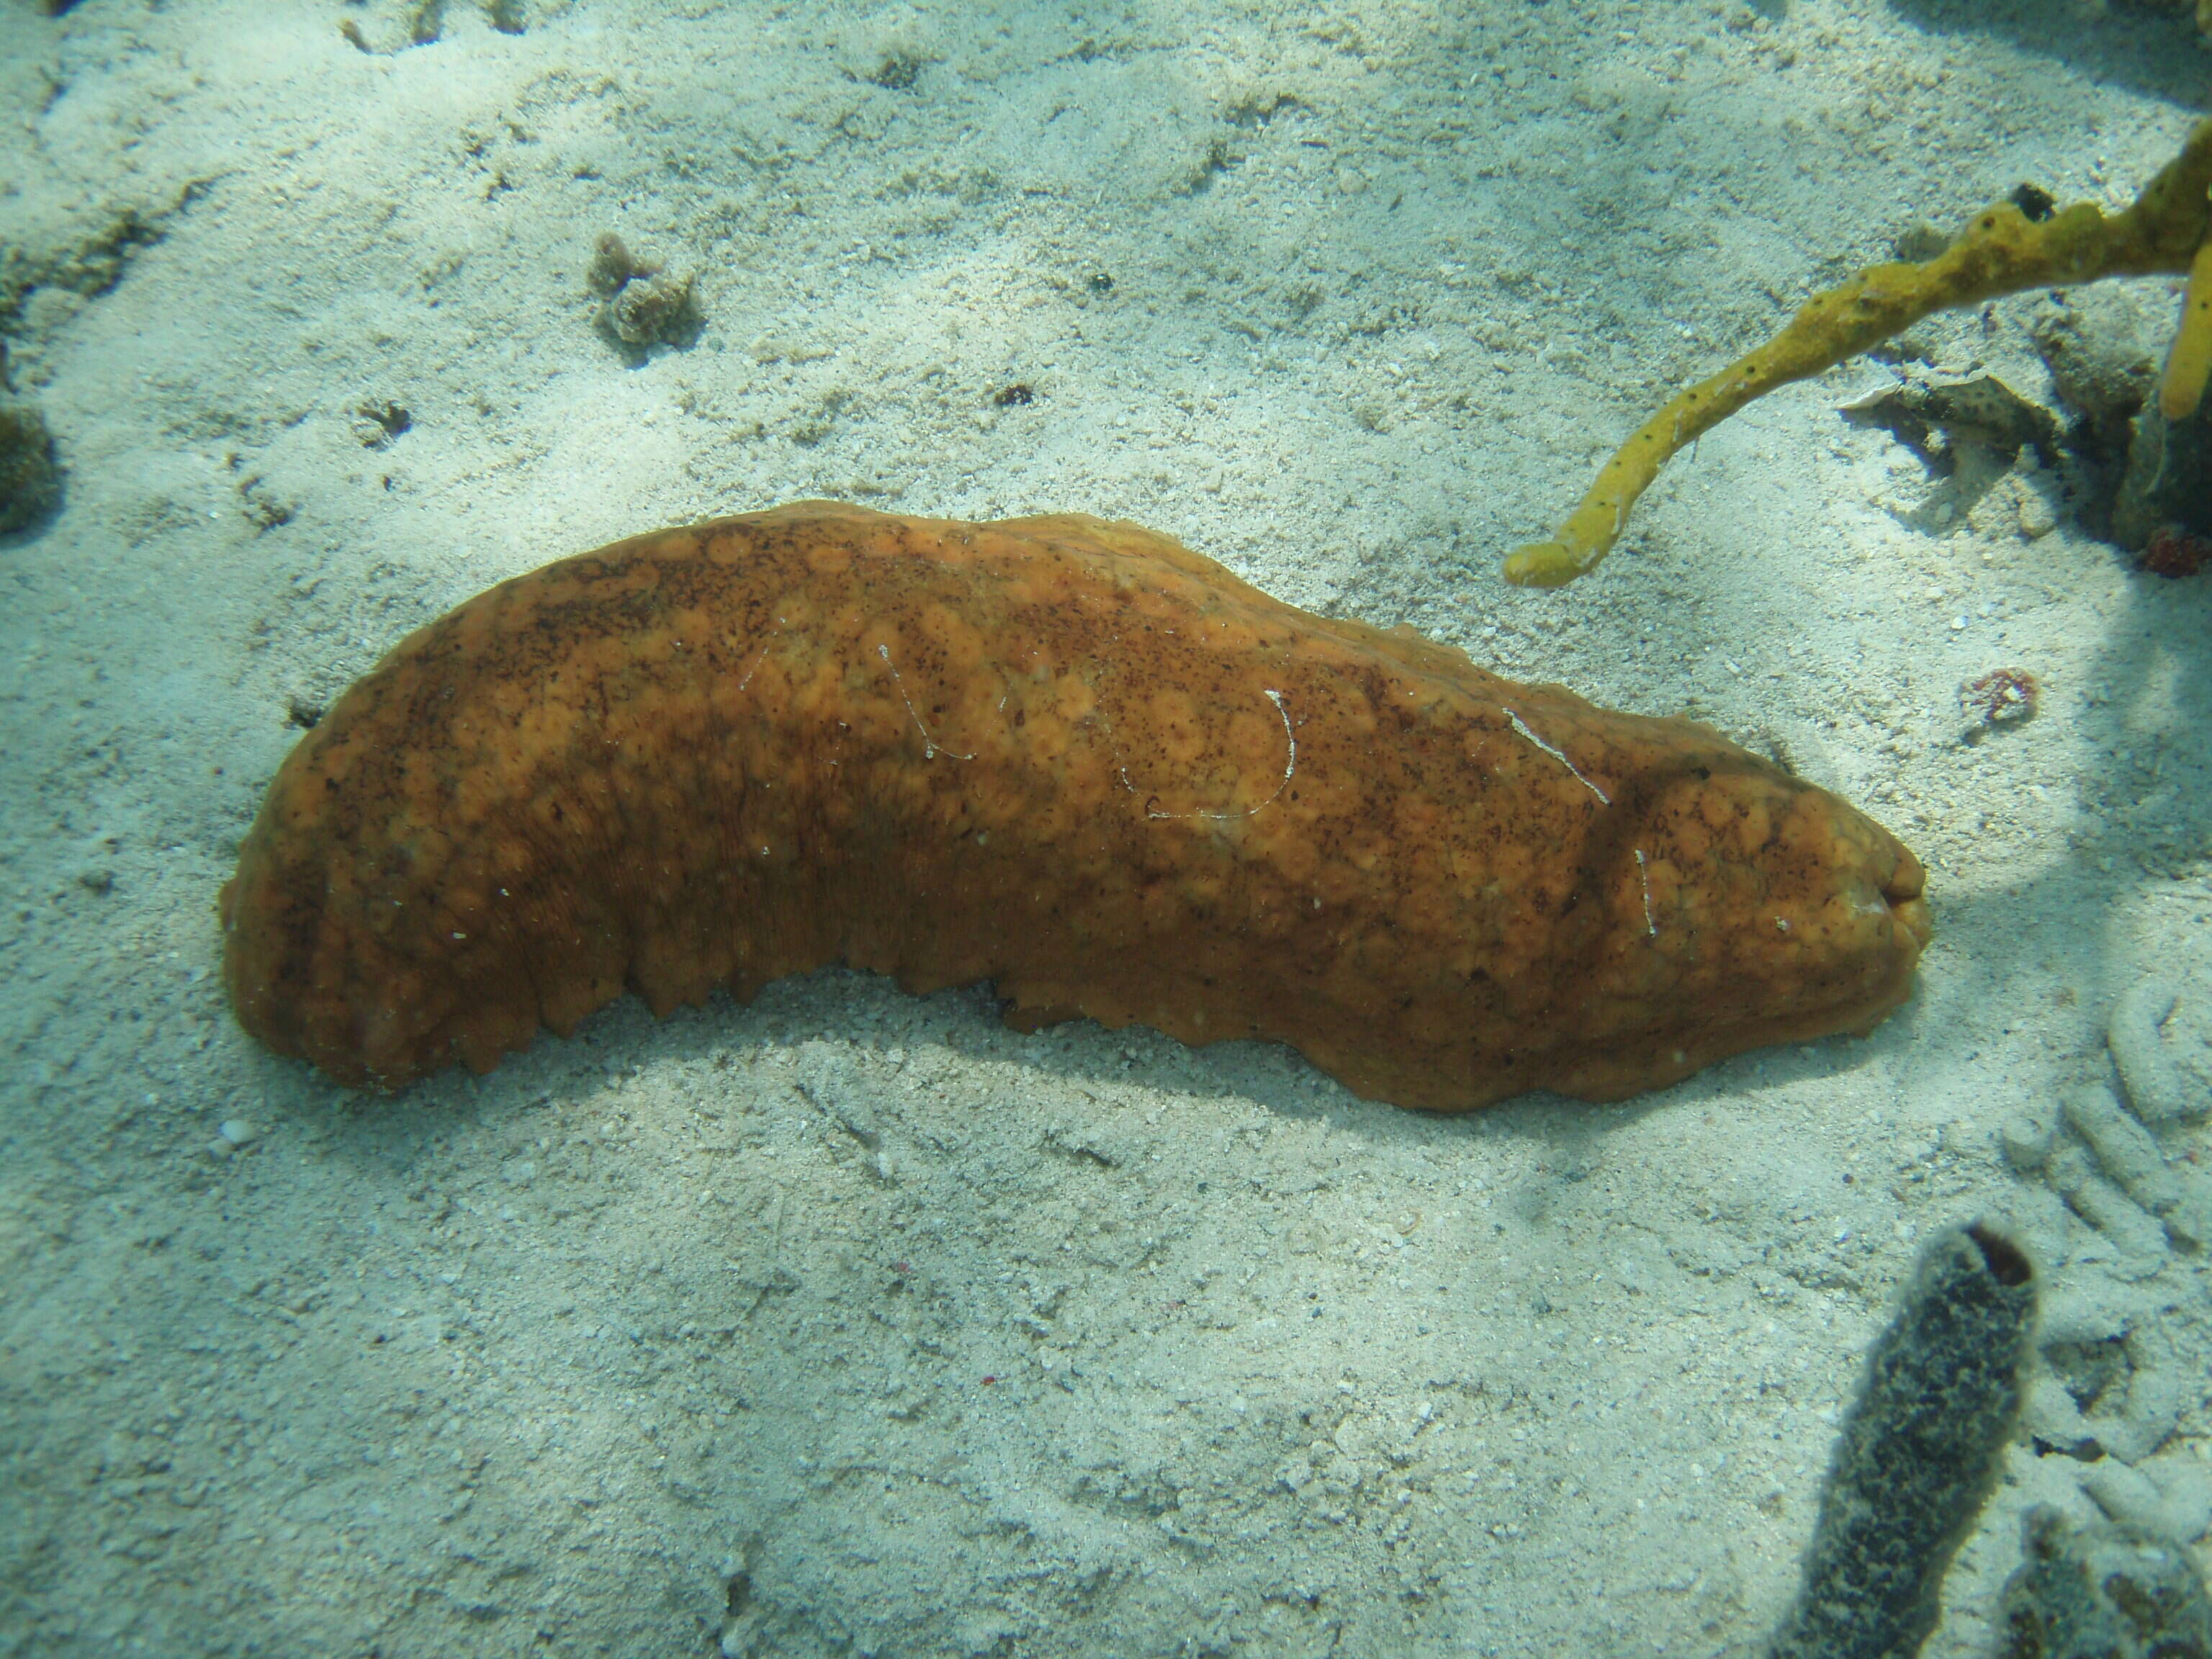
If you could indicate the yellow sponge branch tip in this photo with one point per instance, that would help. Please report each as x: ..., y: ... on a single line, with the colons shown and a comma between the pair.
x: 2002, y: 251
x: 2188, y: 362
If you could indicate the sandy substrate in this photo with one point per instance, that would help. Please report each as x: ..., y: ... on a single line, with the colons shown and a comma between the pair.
x: 852, y: 1324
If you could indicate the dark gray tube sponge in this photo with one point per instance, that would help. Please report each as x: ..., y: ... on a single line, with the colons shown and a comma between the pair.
x: 1919, y: 1452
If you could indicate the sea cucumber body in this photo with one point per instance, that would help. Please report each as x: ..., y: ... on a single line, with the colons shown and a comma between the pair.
x: 1068, y: 757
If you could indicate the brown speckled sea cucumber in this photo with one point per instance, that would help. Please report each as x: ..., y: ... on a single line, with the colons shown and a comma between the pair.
x: 1068, y: 757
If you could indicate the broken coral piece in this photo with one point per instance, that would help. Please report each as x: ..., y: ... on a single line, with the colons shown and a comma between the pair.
x: 1932, y: 418
x: 646, y: 305
x: 2002, y: 251
x: 2004, y: 696
x: 30, y: 473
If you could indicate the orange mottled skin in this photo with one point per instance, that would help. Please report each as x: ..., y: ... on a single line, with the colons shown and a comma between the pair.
x: 1067, y: 756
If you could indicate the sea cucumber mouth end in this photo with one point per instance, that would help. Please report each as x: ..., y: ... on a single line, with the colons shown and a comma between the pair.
x: 1904, y: 892
x: 1912, y: 915
x: 1908, y: 881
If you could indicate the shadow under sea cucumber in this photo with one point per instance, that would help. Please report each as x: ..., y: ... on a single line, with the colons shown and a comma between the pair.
x: 1068, y: 757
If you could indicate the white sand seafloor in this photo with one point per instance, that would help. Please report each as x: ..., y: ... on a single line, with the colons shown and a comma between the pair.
x: 853, y: 1323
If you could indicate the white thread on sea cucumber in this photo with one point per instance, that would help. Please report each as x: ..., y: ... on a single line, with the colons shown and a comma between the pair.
x: 759, y: 660
x: 1289, y: 766
x: 930, y: 746
x: 1521, y: 727
x: 1643, y: 875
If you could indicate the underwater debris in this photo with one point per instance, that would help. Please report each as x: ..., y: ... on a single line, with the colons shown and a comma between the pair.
x: 2002, y: 251
x: 422, y: 23
x: 1918, y: 1453
x: 613, y: 265
x: 2101, y: 1591
x: 1933, y: 418
x: 2174, y: 553
x: 644, y: 305
x: 30, y: 475
x: 2003, y: 696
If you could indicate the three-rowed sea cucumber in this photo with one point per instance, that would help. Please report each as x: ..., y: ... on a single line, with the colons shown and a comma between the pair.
x: 1070, y: 757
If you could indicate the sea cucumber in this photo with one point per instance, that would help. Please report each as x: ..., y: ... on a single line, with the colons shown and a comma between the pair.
x: 1068, y: 757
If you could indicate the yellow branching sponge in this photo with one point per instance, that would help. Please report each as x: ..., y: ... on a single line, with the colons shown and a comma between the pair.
x: 2002, y: 251
x: 2181, y: 388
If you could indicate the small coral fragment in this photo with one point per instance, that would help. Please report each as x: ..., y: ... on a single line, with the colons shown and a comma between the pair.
x: 2174, y: 553
x: 1983, y: 410
x: 30, y: 477
x: 653, y: 312
x: 2004, y: 696
x: 2002, y: 251
x: 612, y: 266
x: 644, y: 305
